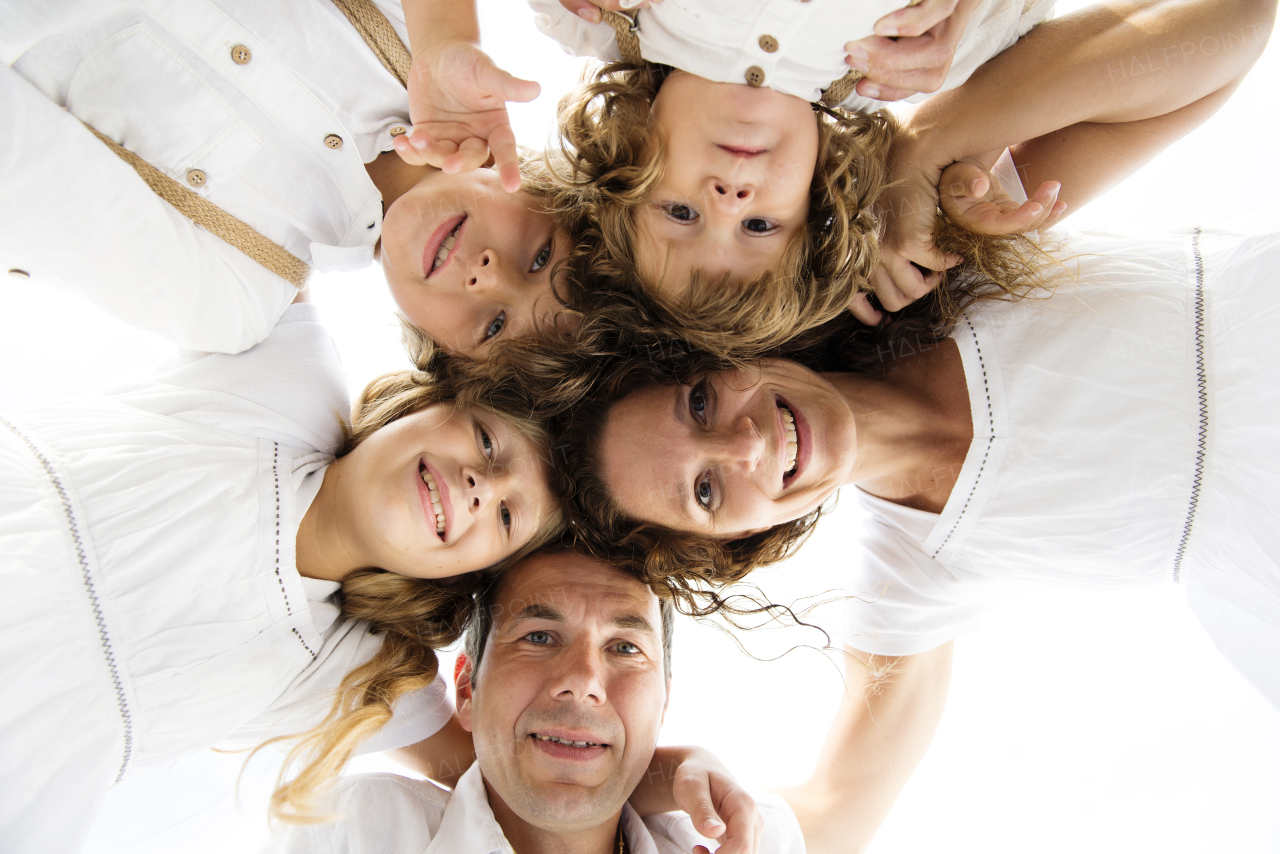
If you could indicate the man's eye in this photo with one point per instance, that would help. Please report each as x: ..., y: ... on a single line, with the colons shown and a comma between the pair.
x: 543, y: 258
x: 496, y: 326
x: 680, y: 212
x: 627, y: 648
x: 540, y: 638
x: 756, y: 225
x: 506, y: 517
x: 702, y: 489
x: 698, y: 402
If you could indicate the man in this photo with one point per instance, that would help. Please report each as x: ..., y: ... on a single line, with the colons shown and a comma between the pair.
x: 563, y: 686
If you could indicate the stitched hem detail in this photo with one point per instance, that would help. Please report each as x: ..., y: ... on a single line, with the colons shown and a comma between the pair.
x: 1202, y: 392
x: 298, y: 635
x: 991, y: 422
x: 275, y: 475
x: 104, y: 639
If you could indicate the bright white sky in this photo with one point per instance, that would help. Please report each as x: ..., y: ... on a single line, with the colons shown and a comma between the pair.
x: 1078, y: 721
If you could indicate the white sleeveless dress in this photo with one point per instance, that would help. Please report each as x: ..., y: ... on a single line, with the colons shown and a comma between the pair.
x: 1126, y: 432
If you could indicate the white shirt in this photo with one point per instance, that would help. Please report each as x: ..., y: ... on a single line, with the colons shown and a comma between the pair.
x: 389, y: 814
x: 161, y: 78
x: 721, y: 39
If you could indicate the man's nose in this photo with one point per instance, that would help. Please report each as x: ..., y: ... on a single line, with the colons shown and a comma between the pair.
x: 581, y: 675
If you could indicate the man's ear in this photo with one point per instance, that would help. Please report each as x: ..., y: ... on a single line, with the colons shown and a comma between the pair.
x: 462, y: 687
x: 665, y: 704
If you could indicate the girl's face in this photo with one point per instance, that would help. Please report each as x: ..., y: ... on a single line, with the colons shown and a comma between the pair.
x: 735, y: 453
x: 445, y: 491
x: 735, y: 186
x: 469, y: 263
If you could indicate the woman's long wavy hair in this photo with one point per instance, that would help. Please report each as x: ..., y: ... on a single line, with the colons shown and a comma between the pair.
x: 414, y: 616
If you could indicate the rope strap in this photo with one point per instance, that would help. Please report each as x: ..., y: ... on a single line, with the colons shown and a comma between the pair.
x: 379, y: 35
x: 214, y: 219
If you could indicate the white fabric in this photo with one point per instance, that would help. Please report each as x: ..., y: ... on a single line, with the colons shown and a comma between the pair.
x: 720, y: 39
x: 147, y: 556
x: 1087, y: 430
x: 388, y: 814
x: 158, y: 77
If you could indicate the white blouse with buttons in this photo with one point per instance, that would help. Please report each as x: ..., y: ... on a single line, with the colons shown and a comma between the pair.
x: 794, y: 46
x: 268, y: 109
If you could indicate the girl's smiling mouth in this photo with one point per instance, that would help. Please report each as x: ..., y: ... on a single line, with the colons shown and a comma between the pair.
x: 434, y: 493
x: 439, y: 249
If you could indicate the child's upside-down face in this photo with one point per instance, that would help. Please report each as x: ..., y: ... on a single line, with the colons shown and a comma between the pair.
x: 735, y: 186
x: 468, y: 263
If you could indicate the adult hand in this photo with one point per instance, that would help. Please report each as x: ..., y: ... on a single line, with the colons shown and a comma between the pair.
x: 590, y: 11
x: 911, y: 50
x: 974, y: 198
x: 457, y: 103
x: 720, y: 808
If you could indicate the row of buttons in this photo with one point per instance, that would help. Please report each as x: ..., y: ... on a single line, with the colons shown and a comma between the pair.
x: 241, y: 55
x: 755, y: 74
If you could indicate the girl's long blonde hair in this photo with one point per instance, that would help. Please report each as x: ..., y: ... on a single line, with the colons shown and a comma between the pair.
x: 414, y: 616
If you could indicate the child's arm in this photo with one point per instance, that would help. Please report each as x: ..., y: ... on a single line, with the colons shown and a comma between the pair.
x: 443, y: 756
x: 457, y: 96
x: 1062, y: 88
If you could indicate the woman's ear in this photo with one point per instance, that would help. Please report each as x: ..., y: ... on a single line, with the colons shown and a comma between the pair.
x: 462, y: 689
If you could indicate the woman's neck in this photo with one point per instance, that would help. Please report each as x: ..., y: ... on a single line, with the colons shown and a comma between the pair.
x: 913, y: 426
x: 324, y: 547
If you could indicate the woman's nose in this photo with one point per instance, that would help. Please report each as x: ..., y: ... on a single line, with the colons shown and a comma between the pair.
x: 742, y: 443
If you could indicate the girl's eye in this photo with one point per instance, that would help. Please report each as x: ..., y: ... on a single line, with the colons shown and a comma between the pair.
x: 506, y: 517
x: 703, y: 491
x: 698, y: 402
x: 486, y: 444
x: 756, y: 225
x: 680, y: 212
x: 496, y: 326
x: 627, y: 648
x: 543, y: 258
x: 540, y: 638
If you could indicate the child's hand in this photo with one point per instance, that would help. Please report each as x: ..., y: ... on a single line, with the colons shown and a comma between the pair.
x: 911, y: 50
x: 457, y: 103
x: 590, y: 11
x: 974, y: 198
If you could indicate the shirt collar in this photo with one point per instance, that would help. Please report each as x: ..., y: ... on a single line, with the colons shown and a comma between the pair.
x: 468, y: 823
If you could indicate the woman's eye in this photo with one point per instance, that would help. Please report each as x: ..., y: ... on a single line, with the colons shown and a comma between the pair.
x: 757, y: 225
x: 543, y: 258
x: 680, y: 212
x: 496, y: 326
x: 540, y: 638
x: 698, y: 401
x: 627, y: 648
x: 506, y: 517
x: 702, y: 489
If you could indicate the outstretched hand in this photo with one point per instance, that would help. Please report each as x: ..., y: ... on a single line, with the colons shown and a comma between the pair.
x: 974, y: 198
x: 457, y: 103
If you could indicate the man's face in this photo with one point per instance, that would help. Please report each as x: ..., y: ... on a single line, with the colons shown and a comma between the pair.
x: 570, y: 693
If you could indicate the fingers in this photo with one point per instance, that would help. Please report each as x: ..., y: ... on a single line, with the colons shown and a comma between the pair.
x: 868, y: 88
x: 914, y: 20
x: 410, y: 153
x: 743, y: 827
x: 861, y: 308
x: 506, y: 157
x: 471, y: 154
x: 590, y: 12
x: 692, y: 792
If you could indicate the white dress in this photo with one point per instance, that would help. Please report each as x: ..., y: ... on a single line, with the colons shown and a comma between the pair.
x: 147, y: 559
x: 279, y: 134
x: 1125, y: 433
x: 796, y: 48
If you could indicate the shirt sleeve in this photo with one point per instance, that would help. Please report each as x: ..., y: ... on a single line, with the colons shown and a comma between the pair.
x: 903, y: 602
x: 78, y: 216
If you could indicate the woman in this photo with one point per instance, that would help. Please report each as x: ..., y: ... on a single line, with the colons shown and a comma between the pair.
x: 248, y: 108
x: 202, y: 558
x: 1109, y: 434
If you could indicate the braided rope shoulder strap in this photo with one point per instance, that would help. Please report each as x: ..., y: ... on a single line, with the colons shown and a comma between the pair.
x: 626, y: 28
x: 382, y: 38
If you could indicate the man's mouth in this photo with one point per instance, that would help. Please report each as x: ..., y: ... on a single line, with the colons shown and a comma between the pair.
x: 567, y: 742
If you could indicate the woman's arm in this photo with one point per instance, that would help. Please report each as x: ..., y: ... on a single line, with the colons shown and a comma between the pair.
x: 886, y: 721
x: 442, y: 757
x: 1095, y: 93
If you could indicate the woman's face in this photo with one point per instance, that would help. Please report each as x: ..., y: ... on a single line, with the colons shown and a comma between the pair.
x: 469, y: 263
x: 735, y: 453
x: 734, y: 192
x: 445, y: 491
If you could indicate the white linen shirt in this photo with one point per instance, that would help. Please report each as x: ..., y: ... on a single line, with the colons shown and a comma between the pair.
x: 721, y: 39
x: 277, y: 104
x: 389, y: 814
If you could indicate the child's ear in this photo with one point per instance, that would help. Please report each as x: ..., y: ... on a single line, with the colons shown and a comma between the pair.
x: 462, y: 688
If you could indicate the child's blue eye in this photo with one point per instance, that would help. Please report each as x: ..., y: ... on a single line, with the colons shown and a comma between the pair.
x: 494, y: 328
x: 681, y: 212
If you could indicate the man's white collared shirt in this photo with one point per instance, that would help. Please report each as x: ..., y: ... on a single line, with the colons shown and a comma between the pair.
x: 390, y: 814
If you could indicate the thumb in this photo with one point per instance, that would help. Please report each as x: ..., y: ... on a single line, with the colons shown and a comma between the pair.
x: 499, y: 84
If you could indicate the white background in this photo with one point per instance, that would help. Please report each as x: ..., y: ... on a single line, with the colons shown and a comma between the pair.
x: 1078, y: 721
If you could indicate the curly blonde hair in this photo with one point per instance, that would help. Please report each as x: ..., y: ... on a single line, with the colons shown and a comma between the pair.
x: 414, y: 616
x: 612, y: 157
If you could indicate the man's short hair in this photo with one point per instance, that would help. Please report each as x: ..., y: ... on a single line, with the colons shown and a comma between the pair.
x: 482, y: 615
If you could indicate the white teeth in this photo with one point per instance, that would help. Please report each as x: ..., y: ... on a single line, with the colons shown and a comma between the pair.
x: 434, y: 494
x: 446, y: 246
x: 793, y: 441
x: 564, y: 741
